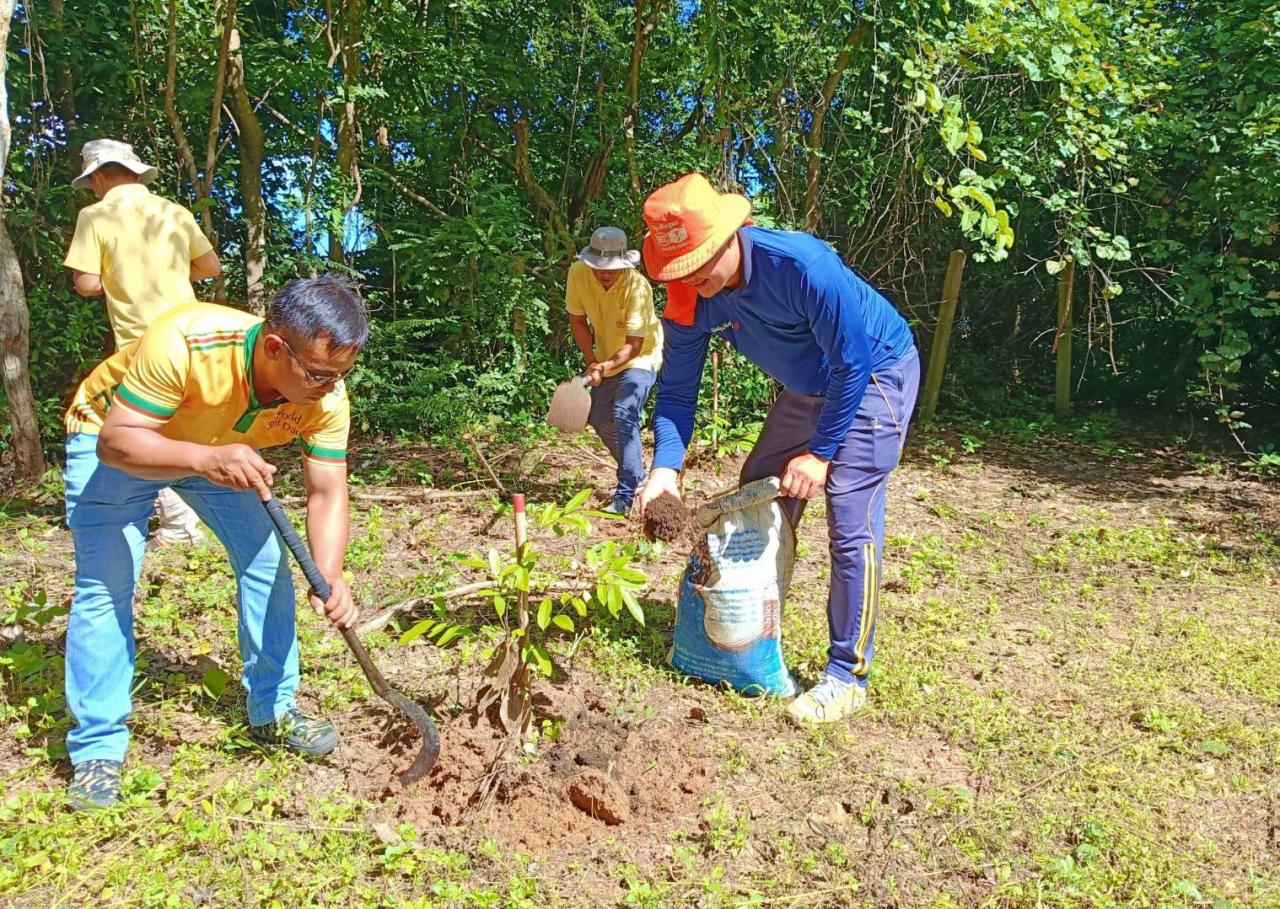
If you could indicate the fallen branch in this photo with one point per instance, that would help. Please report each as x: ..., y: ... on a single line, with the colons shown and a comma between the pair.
x: 475, y: 446
x: 427, y: 496
x: 35, y: 561
x: 382, y: 618
x: 294, y: 825
x: 595, y: 457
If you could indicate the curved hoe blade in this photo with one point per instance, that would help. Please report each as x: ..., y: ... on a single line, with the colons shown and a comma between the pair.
x: 430, y: 750
x: 426, y: 758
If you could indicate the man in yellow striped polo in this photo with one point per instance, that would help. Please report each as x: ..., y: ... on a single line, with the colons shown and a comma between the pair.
x: 188, y: 406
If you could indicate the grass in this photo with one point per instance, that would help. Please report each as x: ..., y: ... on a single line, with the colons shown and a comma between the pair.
x: 1074, y: 703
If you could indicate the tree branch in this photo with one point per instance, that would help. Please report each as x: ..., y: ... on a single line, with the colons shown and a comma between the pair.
x: 407, y: 192
x: 533, y: 190
x: 171, y: 113
x: 219, y: 82
x: 811, y: 193
x: 644, y: 29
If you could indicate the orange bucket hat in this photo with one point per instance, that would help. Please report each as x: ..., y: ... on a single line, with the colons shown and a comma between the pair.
x: 689, y: 222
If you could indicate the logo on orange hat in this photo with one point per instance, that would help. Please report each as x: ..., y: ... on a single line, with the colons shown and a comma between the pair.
x: 670, y: 236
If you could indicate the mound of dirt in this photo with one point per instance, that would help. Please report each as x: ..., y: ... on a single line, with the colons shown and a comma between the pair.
x: 602, y: 773
x: 666, y: 519
x: 597, y: 796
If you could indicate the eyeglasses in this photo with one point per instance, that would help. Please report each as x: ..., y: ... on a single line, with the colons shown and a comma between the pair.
x: 311, y: 378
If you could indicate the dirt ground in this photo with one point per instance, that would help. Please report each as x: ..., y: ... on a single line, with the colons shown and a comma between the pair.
x: 601, y: 773
x: 1034, y: 597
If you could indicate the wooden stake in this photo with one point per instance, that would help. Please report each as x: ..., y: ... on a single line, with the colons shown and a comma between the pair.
x: 715, y: 401
x: 942, y: 336
x: 1062, y: 343
x: 522, y: 544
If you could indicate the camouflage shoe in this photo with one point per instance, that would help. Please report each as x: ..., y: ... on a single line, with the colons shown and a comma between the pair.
x: 619, y: 505
x: 96, y: 784
x: 298, y: 732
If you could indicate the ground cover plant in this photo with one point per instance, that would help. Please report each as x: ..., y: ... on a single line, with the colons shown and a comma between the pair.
x: 1074, y: 705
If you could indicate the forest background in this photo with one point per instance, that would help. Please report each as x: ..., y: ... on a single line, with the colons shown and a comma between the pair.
x: 452, y: 157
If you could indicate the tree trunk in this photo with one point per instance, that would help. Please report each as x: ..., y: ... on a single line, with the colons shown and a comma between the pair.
x: 251, y: 144
x: 348, y: 39
x: 65, y: 95
x: 557, y: 230
x: 812, y: 190
x: 644, y: 30
x: 28, y: 458
x: 201, y: 186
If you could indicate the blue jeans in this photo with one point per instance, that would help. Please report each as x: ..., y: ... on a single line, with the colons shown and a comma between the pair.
x: 107, y: 511
x: 856, y: 484
x: 617, y: 406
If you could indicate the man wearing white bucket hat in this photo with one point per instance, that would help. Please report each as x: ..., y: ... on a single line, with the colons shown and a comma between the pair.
x: 141, y: 253
x: 611, y: 314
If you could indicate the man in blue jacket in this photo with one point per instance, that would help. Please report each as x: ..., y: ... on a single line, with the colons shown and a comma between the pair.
x: 849, y: 371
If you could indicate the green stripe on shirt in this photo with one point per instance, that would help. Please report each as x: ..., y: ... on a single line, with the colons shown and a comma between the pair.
x: 211, y: 345
x: 137, y: 402
x: 330, y: 454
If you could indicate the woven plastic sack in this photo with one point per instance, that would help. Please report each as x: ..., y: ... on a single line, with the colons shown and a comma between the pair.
x: 729, y: 617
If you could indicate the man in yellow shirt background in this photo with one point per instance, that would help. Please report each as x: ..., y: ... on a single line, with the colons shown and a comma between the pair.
x: 187, y: 406
x: 141, y: 252
x: 614, y: 325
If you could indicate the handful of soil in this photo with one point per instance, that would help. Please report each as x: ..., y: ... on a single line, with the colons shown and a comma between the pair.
x: 666, y: 519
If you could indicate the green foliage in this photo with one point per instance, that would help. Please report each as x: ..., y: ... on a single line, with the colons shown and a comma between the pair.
x: 33, y: 706
x: 1265, y: 461
x: 1216, y: 222
x: 30, y: 610
x: 1138, y: 140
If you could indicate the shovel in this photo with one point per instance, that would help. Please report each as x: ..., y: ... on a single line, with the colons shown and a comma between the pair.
x: 426, y: 758
x: 570, y: 405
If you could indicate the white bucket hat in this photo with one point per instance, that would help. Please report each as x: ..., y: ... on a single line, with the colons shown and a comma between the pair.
x: 608, y: 250
x: 98, y: 152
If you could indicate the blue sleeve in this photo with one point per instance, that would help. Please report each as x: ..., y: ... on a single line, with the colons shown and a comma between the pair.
x: 684, y: 353
x: 833, y: 302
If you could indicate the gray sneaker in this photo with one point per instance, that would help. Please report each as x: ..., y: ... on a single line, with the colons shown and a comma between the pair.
x: 96, y: 784
x: 298, y: 732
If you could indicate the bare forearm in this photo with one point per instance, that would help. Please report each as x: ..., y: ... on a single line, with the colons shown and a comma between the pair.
x: 623, y: 355
x: 327, y: 528
x: 147, y: 454
x: 582, y: 337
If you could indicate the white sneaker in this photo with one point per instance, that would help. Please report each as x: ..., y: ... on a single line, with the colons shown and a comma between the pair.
x: 830, y: 700
x: 161, y: 538
x: 178, y: 523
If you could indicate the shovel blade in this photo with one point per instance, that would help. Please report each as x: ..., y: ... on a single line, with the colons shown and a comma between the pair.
x: 570, y: 406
